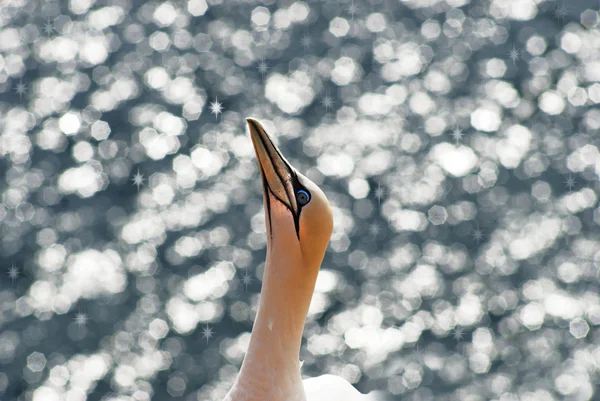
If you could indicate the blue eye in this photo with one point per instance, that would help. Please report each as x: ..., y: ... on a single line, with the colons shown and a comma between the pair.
x: 303, y: 197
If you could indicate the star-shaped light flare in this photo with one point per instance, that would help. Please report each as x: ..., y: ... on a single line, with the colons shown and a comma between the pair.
x: 246, y: 279
x: 81, y: 319
x: 207, y: 333
x: 457, y: 134
x: 379, y: 193
x: 458, y: 333
x: 13, y: 272
x: 20, y: 89
x: 514, y: 55
x: 327, y: 102
x: 216, y: 108
x: 262, y: 68
x: 138, y: 179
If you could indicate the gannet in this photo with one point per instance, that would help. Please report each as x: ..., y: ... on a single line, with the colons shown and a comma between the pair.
x: 299, y: 223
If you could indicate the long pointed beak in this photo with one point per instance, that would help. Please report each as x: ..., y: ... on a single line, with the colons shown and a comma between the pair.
x: 277, y: 174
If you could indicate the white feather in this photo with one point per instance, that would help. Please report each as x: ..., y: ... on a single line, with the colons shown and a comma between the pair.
x: 335, y: 388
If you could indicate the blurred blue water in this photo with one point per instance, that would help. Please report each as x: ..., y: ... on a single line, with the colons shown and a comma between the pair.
x: 457, y: 142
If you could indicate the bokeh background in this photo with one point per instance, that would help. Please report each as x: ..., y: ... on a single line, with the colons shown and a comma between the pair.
x: 456, y: 140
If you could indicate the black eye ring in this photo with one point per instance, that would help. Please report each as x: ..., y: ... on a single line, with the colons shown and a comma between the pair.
x: 303, y: 197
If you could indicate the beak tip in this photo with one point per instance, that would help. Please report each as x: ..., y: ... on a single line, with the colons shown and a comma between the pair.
x: 253, y: 124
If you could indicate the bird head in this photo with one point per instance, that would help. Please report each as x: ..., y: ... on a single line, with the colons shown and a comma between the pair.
x: 295, y: 207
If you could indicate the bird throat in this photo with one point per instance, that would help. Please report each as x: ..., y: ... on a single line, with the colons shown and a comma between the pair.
x: 273, y: 352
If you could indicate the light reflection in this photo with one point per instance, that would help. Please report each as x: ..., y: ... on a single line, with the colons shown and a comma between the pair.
x: 97, y: 92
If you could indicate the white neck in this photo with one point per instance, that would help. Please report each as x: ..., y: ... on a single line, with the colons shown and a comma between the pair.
x: 271, y: 368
